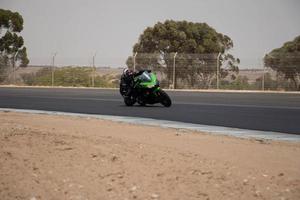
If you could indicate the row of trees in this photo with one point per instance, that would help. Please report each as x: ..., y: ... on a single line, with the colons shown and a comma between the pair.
x: 199, y: 49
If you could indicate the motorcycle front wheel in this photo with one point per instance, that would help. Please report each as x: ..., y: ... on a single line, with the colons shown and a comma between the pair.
x: 165, y: 99
x: 129, y: 101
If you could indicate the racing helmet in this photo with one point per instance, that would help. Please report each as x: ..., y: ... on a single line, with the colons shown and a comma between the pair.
x: 127, y: 72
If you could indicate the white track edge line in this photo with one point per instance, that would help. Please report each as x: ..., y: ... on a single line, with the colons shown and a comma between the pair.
x: 176, y: 90
x: 214, y: 130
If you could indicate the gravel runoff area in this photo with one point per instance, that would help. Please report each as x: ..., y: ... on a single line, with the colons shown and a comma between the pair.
x: 61, y: 157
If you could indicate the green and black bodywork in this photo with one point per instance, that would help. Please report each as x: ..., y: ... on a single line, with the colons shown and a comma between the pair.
x: 144, y: 89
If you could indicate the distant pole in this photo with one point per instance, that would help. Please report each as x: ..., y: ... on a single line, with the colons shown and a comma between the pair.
x: 134, y: 56
x: 263, y: 78
x: 52, y: 74
x: 218, y: 71
x: 174, y: 70
x: 14, y: 67
x: 94, y: 70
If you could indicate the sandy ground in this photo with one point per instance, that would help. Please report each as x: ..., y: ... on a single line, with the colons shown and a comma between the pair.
x: 59, y: 157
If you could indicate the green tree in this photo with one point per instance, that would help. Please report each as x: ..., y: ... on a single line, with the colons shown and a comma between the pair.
x: 286, y: 61
x: 12, y: 50
x: 197, y: 45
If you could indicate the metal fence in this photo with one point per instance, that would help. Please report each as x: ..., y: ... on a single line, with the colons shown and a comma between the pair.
x: 180, y: 71
x: 174, y: 70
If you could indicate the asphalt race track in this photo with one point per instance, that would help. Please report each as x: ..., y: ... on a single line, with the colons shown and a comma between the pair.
x: 256, y: 111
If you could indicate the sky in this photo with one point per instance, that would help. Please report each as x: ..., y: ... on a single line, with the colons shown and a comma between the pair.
x: 77, y: 29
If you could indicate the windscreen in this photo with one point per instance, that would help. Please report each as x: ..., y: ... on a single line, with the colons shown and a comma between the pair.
x: 145, y: 77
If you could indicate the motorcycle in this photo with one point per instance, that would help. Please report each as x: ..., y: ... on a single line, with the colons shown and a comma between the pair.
x: 143, y: 89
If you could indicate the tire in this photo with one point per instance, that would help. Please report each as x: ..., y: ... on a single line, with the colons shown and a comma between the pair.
x: 129, y: 101
x: 142, y: 103
x: 165, y: 99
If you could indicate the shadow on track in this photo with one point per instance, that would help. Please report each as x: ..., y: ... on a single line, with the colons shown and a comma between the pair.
x: 140, y: 106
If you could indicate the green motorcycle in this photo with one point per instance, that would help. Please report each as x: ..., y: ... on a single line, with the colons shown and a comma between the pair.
x: 143, y: 88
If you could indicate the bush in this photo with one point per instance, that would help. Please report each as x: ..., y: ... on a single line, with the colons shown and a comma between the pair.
x: 68, y: 76
x: 240, y: 83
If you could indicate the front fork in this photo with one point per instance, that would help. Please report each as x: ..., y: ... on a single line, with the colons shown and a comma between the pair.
x: 157, y: 92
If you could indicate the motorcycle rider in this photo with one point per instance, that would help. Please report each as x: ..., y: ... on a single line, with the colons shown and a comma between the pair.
x: 127, y: 80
